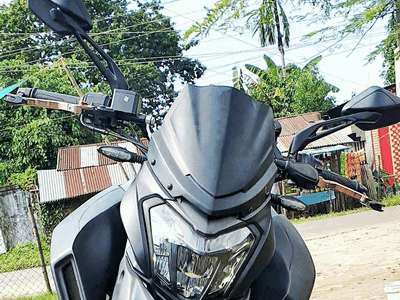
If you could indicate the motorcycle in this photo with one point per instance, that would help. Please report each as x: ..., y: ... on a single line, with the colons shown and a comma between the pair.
x: 198, y: 220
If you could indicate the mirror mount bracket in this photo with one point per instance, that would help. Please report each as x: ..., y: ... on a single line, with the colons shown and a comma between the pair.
x: 310, y: 134
x: 112, y: 73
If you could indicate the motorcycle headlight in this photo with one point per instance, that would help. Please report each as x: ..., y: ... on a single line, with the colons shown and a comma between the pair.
x: 193, y: 265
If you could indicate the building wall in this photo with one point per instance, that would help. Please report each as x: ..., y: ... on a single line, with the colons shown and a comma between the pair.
x: 15, y: 226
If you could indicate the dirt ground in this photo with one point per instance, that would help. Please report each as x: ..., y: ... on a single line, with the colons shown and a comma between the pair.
x: 358, y: 263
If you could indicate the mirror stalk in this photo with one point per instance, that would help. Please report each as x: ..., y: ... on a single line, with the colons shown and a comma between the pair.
x: 112, y: 73
x: 309, y: 134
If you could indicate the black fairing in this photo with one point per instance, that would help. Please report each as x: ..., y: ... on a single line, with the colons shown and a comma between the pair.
x: 290, y: 274
x: 74, y: 9
x: 215, y: 148
x: 375, y: 99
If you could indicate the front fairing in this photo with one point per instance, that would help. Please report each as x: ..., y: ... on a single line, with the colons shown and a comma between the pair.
x: 216, y: 150
x: 146, y: 192
x: 212, y: 163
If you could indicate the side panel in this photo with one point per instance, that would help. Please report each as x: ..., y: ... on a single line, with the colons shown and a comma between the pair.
x: 290, y: 275
x: 87, y: 248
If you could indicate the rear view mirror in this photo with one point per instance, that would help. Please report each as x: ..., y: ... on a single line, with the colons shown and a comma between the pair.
x: 373, y: 99
x: 57, y: 14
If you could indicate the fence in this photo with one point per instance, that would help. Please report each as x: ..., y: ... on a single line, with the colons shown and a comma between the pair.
x: 23, y: 271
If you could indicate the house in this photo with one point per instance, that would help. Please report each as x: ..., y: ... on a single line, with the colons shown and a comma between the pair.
x: 337, y: 141
x: 82, y: 172
x: 385, y: 143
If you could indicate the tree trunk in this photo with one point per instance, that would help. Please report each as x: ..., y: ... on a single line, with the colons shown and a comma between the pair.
x: 279, y: 36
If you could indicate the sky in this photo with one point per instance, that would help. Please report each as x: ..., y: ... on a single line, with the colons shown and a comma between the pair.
x: 220, y: 52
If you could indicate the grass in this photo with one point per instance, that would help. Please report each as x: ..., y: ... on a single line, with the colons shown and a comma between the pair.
x: 24, y: 256
x: 46, y: 296
x: 391, y: 201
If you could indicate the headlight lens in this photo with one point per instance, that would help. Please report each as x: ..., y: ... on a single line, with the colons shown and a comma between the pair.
x: 192, y: 265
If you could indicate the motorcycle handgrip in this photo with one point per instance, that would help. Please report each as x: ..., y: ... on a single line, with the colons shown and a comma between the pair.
x: 352, y: 184
x: 45, y: 95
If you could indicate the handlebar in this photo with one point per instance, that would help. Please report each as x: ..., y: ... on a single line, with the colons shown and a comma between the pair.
x: 352, y: 184
x: 45, y: 95
x: 307, y: 172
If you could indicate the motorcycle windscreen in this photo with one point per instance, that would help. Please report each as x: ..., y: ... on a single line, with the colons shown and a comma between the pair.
x: 217, y: 136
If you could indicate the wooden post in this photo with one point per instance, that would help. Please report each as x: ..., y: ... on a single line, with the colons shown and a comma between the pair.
x: 71, y: 78
x: 37, y: 238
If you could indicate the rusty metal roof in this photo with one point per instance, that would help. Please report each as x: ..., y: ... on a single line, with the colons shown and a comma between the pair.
x: 76, y: 157
x: 82, y: 170
x: 292, y: 125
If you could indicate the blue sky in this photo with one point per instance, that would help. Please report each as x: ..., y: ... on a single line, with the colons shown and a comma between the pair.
x: 220, y: 52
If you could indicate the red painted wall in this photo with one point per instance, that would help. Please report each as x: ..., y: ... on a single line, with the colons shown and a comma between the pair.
x: 387, y: 163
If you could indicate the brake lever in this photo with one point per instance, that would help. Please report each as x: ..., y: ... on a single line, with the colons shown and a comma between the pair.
x: 363, y: 199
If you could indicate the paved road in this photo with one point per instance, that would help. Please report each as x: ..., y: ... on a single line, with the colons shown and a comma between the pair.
x: 30, y: 282
x: 351, y: 222
x: 23, y: 283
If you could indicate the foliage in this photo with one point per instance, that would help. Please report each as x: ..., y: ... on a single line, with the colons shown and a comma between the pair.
x: 51, y: 214
x: 24, y: 256
x: 143, y: 42
x: 329, y: 215
x: 262, y: 20
x: 268, y: 20
x: 25, y: 180
x: 388, y: 202
x: 300, y: 91
x: 393, y: 200
x: 30, y: 137
x: 361, y: 17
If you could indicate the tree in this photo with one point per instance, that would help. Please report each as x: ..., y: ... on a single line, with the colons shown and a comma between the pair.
x: 362, y: 16
x: 300, y: 91
x: 30, y: 137
x: 143, y: 42
x: 269, y: 21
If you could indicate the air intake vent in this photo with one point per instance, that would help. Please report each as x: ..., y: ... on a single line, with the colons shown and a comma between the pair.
x: 70, y: 282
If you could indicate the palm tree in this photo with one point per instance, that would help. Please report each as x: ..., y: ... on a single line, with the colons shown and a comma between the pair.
x: 272, y: 26
x: 269, y: 21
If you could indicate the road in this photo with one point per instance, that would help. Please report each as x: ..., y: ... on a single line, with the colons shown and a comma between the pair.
x: 356, y: 255
x: 23, y: 283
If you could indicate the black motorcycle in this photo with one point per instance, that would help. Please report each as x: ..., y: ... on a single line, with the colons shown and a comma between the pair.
x: 197, y: 221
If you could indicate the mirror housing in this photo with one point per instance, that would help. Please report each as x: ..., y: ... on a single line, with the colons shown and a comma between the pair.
x: 71, y: 17
x: 311, y: 133
x: 46, y: 11
x: 373, y: 99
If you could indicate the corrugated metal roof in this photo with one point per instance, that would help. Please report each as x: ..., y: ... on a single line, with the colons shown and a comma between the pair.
x: 96, y: 178
x: 68, y: 158
x: 73, y: 183
x: 58, y: 185
x: 292, y: 125
x: 82, y: 170
x: 117, y: 174
x: 87, y: 156
x: 51, y: 185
